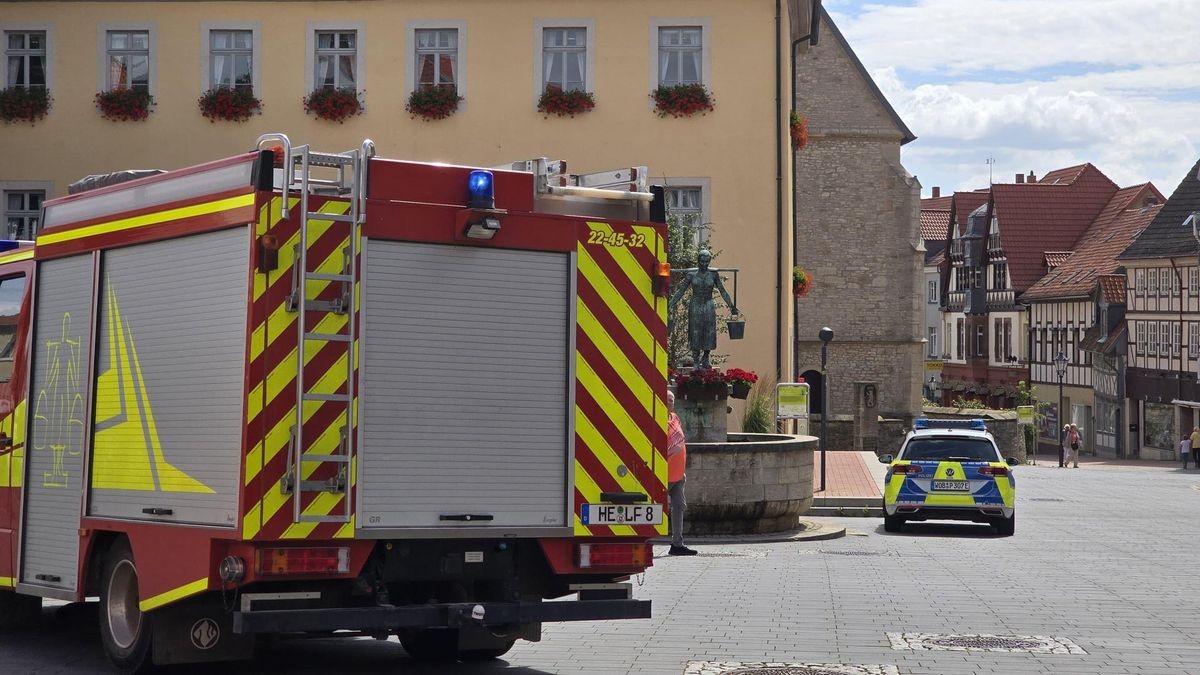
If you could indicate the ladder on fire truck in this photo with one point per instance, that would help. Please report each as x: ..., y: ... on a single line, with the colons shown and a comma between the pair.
x: 349, y: 177
x: 551, y: 179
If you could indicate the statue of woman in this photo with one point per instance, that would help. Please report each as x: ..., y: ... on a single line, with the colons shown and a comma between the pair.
x: 702, y: 312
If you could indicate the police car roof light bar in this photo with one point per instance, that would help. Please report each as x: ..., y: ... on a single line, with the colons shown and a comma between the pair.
x: 926, y: 423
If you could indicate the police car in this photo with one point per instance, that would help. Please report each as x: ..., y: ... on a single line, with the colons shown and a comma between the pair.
x: 949, y: 470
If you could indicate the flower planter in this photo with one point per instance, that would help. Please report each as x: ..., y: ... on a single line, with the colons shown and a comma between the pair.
x: 682, y: 100
x: 433, y: 103
x: 334, y: 105
x: 555, y: 101
x: 801, y: 290
x: 798, y: 130
x: 124, y: 105
x: 739, y: 390
x: 230, y: 105
x: 24, y: 104
x: 802, y: 282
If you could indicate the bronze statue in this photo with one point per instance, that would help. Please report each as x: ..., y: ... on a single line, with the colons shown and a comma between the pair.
x: 702, y: 312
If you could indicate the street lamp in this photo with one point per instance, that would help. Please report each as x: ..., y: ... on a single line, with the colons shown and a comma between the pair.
x: 826, y: 336
x: 1060, y: 368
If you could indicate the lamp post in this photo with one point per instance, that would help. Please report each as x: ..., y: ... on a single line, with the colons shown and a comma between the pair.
x: 1060, y: 368
x: 826, y: 336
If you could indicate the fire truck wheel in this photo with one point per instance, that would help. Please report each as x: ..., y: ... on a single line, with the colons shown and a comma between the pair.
x: 485, y: 654
x: 124, y: 630
x: 19, y: 611
x: 432, y: 644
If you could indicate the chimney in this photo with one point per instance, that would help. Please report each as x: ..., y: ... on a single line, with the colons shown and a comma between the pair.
x: 1020, y: 178
x: 937, y: 192
x: 1032, y: 178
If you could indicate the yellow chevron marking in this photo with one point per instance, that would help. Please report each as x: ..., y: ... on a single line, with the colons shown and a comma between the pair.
x: 613, y: 409
x: 322, y: 505
x: 252, y: 522
x: 604, y: 453
x: 617, y: 359
x: 284, y: 375
x: 197, y: 586
x: 346, y: 531
x: 591, y: 494
x: 638, y: 275
x: 155, y: 218
x: 616, y: 303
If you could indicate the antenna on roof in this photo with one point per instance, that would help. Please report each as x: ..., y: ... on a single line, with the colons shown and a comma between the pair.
x: 991, y: 162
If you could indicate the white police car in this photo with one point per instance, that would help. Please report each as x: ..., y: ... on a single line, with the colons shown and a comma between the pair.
x: 949, y: 470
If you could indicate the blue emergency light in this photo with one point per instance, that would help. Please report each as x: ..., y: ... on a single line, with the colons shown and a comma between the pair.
x: 481, y: 190
x: 12, y: 244
x: 926, y: 423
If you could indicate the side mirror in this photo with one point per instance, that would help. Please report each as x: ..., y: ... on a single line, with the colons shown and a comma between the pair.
x: 886, y: 459
x: 1012, y: 461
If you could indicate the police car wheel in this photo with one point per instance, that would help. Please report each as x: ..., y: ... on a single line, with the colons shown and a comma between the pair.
x: 124, y: 630
x: 1006, y: 527
x: 893, y: 523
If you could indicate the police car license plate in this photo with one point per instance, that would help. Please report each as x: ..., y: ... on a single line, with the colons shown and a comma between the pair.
x: 952, y: 485
x: 622, y: 514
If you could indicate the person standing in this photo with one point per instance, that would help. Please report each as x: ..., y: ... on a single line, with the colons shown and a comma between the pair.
x: 1195, y: 446
x: 1064, y: 446
x: 676, y: 466
x: 1185, y: 449
x: 1073, y: 441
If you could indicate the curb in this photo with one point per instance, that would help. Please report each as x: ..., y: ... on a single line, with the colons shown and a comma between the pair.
x: 850, y: 511
x: 808, y: 531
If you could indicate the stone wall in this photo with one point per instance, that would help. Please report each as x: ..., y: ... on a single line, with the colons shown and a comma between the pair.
x: 1002, y: 424
x: 753, y: 483
x: 857, y: 231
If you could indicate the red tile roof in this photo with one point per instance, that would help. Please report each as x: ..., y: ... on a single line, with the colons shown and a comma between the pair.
x: 1066, y: 175
x: 1095, y: 254
x: 1039, y: 217
x: 1056, y: 258
x: 1112, y: 288
x: 937, y: 203
x: 934, y: 224
x: 964, y: 204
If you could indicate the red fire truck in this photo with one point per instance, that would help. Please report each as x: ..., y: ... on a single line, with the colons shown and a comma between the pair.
x: 295, y: 392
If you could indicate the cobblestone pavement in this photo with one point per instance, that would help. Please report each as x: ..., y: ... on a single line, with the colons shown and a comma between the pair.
x: 1103, y: 560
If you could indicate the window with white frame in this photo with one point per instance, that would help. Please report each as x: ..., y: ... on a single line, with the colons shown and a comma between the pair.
x: 1140, y: 336
x: 933, y: 342
x: 1152, y: 338
x: 1164, y: 338
x: 22, y: 213
x: 564, y: 58
x: 437, y: 57
x: 231, y: 59
x: 1173, y: 275
x: 999, y: 276
x: 680, y: 55
x: 1152, y: 282
x: 686, y: 203
x: 128, y: 54
x: 1193, y: 339
x: 336, y: 59
x: 932, y: 292
x: 1139, y: 282
x: 25, y: 58
x: 1193, y: 281
x: 961, y: 339
x: 1176, y: 341
x: 980, y: 341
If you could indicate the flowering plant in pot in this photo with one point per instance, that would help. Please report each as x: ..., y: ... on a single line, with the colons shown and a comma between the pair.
x: 801, y: 282
x: 565, y: 103
x: 333, y: 104
x: 24, y: 104
x: 433, y: 102
x: 707, y: 383
x: 740, y: 381
x: 229, y: 104
x: 798, y: 129
x: 682, y: 100
x: 124, y: 105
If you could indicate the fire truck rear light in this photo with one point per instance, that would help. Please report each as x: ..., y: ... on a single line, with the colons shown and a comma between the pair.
x: 662, y: 279
x: 325, y: 560
x: 613, y: 555
x: 268, y: 253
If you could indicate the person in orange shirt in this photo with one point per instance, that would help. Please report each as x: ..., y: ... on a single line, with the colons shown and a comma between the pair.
x: 676, y: 466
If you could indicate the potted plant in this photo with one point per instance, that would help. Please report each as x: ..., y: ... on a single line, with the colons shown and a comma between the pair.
x: 124, y: 105
x: 740, y: 381
x: 801, y: 282
x: 565, y: 103
x: 333, y: 104
x: 682, y: 100
x: 798, y: 129
x: 229, y: 104
x: 433, y: 102
x: 24, y: 104
x: 706, y: 384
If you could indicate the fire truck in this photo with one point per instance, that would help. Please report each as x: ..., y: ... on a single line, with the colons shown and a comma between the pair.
x: 296, y: 392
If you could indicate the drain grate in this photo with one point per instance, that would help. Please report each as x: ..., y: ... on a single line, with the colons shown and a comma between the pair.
x: 1034, y: 644
x: 769, y: 668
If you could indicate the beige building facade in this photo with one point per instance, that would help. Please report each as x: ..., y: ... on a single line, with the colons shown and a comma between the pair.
x: 726, y: 168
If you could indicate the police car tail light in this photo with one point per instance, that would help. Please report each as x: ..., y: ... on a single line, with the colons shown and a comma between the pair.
x: 612, y: 555
x: 906, y: 468
x: 993, y: 470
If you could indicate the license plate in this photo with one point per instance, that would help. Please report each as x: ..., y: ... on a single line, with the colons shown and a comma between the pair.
x: 622, y: 514
x: 952, y: 485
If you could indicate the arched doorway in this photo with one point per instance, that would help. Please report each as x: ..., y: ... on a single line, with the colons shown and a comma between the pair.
x: 815, y: 390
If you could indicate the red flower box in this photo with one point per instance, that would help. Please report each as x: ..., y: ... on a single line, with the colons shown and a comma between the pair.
x: 124, y: 105
x: 802, y: 282
x: 555, y: 101
x: 24, y: 104
x: 798, y: 130
x: 682, y: 100
x: 334, y: 105
x: 229, y: 104
x: 433, y: 103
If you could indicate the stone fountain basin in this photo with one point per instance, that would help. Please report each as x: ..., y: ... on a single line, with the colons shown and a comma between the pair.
x: 750, y: 484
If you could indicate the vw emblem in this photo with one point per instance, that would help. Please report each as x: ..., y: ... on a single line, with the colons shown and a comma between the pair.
x: 205, y: 634
x: 949, y: 472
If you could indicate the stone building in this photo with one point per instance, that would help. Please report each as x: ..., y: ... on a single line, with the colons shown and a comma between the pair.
x: 857, y: 231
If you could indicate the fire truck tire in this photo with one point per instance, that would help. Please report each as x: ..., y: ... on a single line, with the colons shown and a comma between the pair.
x: 124, y: 630
x: 433, y: 644
x: 19, y: 611
x: 485, y: 654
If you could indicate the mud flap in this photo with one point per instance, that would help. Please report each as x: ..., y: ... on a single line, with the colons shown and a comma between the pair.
x: 198, y: 630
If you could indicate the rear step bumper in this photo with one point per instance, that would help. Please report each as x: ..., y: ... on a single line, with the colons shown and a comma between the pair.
x: 451, y: 615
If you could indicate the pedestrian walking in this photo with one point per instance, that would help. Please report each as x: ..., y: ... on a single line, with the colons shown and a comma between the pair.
x: 1195, y: 446
x: 1185, y: 449
x: 1073, y: 440
x: 676, y: 466
x: 1064, y: 445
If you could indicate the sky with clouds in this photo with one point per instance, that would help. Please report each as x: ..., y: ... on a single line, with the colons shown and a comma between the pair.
x: 1036, y: 84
